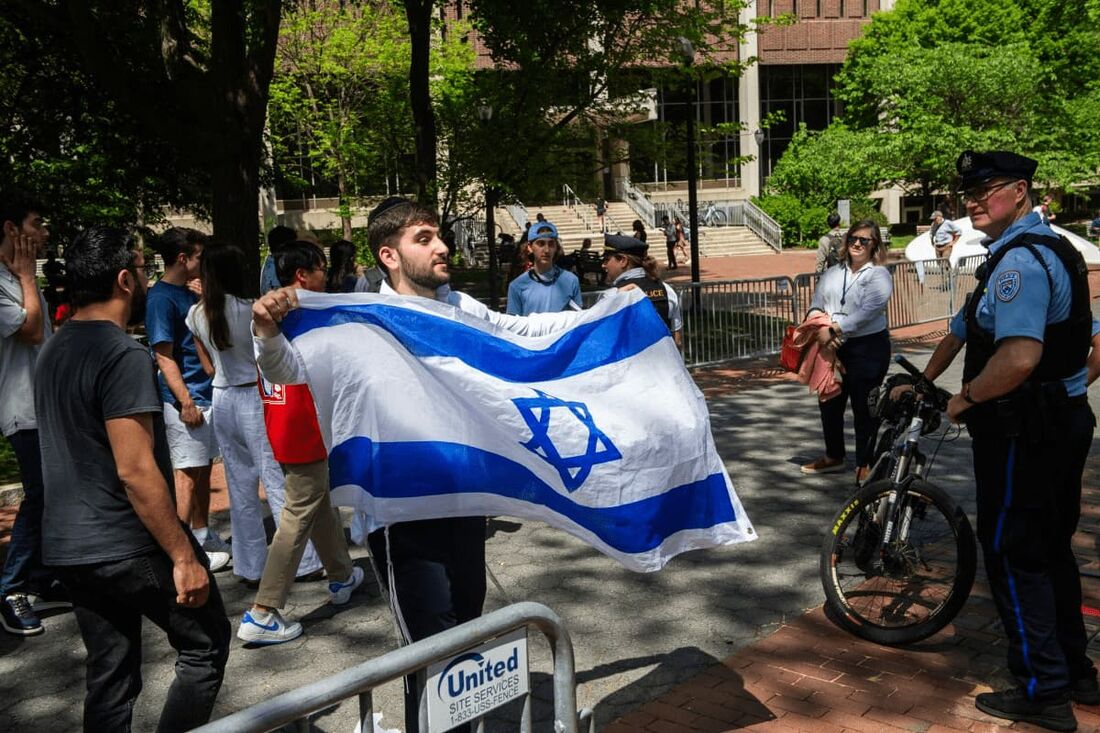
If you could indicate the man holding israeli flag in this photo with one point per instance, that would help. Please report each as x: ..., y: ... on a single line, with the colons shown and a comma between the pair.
x: 437, y: 411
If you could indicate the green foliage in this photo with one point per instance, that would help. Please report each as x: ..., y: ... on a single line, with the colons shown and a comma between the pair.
x: 818, y: 168
x: 69, y: 144
x: 936, y: 77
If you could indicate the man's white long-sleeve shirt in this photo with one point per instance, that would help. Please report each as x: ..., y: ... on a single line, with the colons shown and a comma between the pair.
x: 280, y: 362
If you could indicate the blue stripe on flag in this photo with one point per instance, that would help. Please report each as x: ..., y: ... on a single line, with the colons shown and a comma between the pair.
x: 619, y: 336
x: 429, y: 468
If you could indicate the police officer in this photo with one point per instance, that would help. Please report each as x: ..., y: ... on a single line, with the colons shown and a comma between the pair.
x: 1027, y: 329
x: 626, y: 261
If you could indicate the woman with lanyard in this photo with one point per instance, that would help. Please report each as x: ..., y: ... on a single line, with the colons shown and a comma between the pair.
x: 854, y: 294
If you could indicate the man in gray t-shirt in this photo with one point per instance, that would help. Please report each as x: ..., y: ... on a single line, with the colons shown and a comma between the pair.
x: 110, y: 526
x: 24, y: 326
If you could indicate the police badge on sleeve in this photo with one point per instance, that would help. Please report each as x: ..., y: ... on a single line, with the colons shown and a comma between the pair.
x: 1008, y: 285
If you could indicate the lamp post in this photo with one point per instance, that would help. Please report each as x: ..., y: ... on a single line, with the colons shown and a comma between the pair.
x: 687, y: 52
x: 758, y: 136
x: 485, y: 114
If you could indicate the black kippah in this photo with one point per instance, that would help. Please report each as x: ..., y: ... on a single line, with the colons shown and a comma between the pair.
x: 385, y: 206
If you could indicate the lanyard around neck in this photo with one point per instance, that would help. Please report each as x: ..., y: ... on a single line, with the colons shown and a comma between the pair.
x: 846, y: 287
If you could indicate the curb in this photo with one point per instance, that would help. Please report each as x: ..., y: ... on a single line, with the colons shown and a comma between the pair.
x: 11, y: 494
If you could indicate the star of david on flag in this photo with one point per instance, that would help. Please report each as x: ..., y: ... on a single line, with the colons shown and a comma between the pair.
x: 587, y: 421
x: 539, y: 411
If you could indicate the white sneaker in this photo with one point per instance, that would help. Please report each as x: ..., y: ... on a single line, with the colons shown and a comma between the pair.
x: 267, y: 628
x: 218, y: 551
x: 217, y: 560
x: 341, y: 592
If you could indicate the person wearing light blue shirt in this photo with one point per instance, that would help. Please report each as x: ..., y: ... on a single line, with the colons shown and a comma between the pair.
x: 545, y: 288
x: 1026, y: 329
x: 854, y: 294
x: 276, y: 238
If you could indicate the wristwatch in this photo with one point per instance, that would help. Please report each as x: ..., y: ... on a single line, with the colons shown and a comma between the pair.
x: 966, y: 394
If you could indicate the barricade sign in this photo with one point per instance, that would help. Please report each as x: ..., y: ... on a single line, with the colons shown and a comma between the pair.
x: 478, y: 680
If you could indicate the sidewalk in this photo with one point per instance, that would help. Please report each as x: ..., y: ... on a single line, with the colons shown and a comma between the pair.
x: 811, y: 676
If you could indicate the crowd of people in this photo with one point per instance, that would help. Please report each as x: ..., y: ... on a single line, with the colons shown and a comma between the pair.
x: 109, y: 433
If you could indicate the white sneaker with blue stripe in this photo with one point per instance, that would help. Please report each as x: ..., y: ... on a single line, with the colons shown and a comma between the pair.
x: 341, y: 592
x: 258, y: 627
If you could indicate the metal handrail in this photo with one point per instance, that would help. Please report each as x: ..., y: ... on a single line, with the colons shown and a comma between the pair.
x: 296, y: 705
x: 639, y: 202
x: 519, y: 213
x: 763, y: 226
x: 572, y: 201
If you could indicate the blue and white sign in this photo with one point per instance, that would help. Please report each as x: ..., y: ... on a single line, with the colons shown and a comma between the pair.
x: 476, y: 681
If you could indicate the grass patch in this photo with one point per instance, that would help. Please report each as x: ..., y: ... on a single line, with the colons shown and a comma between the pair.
x: 899, y: 241
x: 9, y: 469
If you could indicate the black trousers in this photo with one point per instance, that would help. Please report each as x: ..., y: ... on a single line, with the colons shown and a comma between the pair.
x: 865, y: 360
x: 109, y: 600
x: 1029, y: 501
x: 670, y: 249
x: 439, y: 574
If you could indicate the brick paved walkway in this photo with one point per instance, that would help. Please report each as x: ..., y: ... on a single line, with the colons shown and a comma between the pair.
x: 811, y: 676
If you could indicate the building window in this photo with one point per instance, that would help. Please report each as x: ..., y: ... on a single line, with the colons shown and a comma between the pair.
x: 794, y: 7
x: 842, y: 13
x: 804, y: 94
x: 818, y: 9
x: 865, y: 13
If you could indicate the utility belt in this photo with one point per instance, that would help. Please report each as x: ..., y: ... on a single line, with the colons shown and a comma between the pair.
x: 1033, y: 412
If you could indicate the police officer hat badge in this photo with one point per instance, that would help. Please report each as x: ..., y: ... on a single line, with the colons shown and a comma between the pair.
x: 620, y: 244
x: 975, y: 167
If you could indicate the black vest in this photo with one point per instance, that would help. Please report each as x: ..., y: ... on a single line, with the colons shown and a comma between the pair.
x: 1066, y: 343
x: 657, y: 293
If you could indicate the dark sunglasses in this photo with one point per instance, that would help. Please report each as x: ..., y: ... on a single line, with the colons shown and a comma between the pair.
x: 862, y: 241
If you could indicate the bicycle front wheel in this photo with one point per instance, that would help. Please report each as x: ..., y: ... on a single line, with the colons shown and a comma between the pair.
x: 719, y: 219
x: 915, y: 584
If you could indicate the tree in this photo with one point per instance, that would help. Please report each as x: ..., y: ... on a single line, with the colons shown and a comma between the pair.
x: 938, y: 77
x: 333, y: 92
x: 72, y: 147
x: 555, y: 62
x: 192, y: 76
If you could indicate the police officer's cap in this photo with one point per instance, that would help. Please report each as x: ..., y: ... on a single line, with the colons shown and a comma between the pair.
x: 542, y: 230
x: 620, y: 244
x: 976, y: 167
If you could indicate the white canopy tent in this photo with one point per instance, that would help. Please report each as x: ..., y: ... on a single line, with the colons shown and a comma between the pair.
x: 969, y: 245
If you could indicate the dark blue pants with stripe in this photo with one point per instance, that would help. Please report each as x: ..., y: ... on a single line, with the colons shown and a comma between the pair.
x: 1029, y: 501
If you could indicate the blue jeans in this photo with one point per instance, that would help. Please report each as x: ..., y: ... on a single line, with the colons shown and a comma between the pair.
x: 109, y: 601
x: 23, y: 571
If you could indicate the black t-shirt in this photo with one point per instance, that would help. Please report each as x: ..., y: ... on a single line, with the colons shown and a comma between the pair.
x: 88, y: 373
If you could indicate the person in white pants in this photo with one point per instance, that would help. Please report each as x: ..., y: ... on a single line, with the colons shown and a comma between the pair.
x: 221, y: 324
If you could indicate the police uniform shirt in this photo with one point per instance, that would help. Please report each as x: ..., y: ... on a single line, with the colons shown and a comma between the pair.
x: 675, y: 315
x: 526, y: 295
x: 1018, y: 300
x: 855, y: 301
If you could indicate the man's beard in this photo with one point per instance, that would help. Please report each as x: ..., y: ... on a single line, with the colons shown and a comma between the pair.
x: 137, y: 307
x: 427, y: 277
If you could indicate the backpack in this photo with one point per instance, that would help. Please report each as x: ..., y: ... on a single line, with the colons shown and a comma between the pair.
x: 836, y: 240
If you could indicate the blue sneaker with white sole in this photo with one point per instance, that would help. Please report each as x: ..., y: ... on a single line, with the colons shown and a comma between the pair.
x: 258, y: 627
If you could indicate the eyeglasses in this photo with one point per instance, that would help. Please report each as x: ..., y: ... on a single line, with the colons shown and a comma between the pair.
x: 978, y: 195
x: 149, y: 268
x: 861, y: 241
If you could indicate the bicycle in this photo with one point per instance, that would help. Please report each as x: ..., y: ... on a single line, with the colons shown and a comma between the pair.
x: 713, y: 216
x: 899, y: 560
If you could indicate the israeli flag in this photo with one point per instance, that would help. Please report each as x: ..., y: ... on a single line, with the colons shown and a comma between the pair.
x: 597, y: 429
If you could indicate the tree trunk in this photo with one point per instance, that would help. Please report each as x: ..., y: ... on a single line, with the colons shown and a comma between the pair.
x: 419, y: 16
x: 345, y: 207
x: 235, y: 185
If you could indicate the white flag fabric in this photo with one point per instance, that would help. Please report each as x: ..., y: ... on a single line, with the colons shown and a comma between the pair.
x: 599, y: 430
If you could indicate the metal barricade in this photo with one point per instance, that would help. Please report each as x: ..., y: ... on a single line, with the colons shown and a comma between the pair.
x: 294, y: 707
x: 735, y: 319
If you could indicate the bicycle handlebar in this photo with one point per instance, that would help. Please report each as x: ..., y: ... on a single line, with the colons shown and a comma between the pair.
x: 923, y: 383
